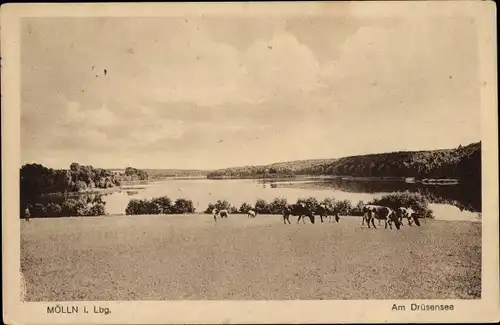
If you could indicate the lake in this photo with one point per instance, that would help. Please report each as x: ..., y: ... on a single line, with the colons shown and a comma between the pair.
x: 449, y: 202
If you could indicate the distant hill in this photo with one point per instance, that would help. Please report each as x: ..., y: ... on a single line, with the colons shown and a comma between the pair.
x: 165, y: 173
x: 462, y: 163
x: 298, y: 165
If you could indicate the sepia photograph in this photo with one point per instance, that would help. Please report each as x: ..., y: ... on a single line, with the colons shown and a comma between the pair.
x: 247, y: 152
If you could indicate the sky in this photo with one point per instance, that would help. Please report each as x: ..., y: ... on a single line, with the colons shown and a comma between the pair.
x: 215, y: 92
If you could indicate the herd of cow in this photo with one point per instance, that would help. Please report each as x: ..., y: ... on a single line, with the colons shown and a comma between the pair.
x: 370, y: 213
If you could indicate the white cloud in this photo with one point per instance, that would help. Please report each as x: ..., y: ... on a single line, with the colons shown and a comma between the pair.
x: 209, y: 73
x: 266, y: 92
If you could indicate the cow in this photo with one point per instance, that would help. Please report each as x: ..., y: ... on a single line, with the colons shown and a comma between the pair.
x: 251, y: 214
x: 408, y: 214
x: 221, y: 213
x: 326, y: 212
x: 372, y: 212
x: 299, y: 209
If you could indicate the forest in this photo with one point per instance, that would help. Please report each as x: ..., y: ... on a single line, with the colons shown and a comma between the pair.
x: 36, y: 179
x: 463, y: 163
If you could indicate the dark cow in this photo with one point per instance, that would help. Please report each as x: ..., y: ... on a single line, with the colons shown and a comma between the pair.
x: 323, y: 211
x: 222, y: 214
x: 299, y: 209
x: 372, y: 212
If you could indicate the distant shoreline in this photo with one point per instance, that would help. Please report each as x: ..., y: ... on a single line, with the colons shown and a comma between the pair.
x: 127, y: 186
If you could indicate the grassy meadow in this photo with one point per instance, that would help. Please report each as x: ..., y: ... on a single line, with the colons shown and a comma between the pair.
x: 190, y: 257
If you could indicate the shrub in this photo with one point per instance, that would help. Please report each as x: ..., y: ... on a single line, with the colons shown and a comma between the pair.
x: 160, y: 205
x: 358, y: 209
x: 97, y: 210
x: 245, y: 207
x: 406, y: 199
x: 329, y: 202
x: 261, y: 207
x: 137, y: 207
x: 277, y: 206
x: 73, y: 207
x: 310, y: 202
x: 183, y: 206
x: 233, y: 210
x: 343, y: 207
x: 222, y: 205
x: 210, y: 208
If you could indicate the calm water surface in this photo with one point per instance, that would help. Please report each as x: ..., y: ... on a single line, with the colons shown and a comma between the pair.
x: 451, y: 202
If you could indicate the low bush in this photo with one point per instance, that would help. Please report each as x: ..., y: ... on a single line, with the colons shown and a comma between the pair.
x: 310, y: 202
x: 343, y: 207
x: 136, y: 206
x: 277, y: 205
x: 358, y: 209
x: 210, y: 208
x: 97, y: 210
x: 223, y: 205
x: 183, y: 206
x: 65, y: 207
x: 159, y: 205
x: 262, y: 207
x: 244, y: 208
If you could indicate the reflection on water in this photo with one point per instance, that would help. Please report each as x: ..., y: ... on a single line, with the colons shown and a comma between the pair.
x: 463, y: 196
x: 456, y: 202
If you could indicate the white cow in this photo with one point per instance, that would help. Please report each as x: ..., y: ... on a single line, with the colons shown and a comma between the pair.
x: 251, y: 214
x: 372, y: 212
x: 408, y: 214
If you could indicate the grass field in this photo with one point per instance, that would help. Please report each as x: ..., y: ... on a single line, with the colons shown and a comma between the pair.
x: 189, y: 257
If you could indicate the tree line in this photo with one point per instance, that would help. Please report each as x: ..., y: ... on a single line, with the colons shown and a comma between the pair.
x: 92, y: 205
x: 37, y: 180
x: 462, y: 163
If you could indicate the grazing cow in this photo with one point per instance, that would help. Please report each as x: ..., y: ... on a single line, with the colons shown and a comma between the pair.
x: 251, y: 214
x: 372, y: 212
x: 222, y: 214
x: 323, y: 211
x: 299, y: 209
x: 408, y: 214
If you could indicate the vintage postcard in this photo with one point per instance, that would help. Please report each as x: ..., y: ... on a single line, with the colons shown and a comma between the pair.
x: 279, y: 162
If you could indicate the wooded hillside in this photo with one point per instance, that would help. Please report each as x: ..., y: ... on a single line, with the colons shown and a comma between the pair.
x: 463, y: 163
